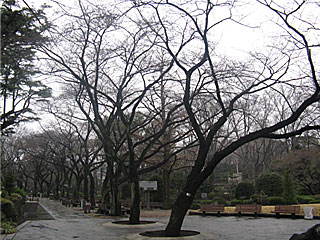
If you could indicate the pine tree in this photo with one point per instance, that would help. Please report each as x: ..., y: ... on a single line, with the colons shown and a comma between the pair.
x: 288, y: 194
x: 22, y: 31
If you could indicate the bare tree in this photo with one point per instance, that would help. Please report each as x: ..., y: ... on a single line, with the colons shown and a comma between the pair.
x: 240, y: 83
x: 113, y: 82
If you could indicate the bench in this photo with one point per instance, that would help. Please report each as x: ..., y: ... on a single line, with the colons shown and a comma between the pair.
x: 125, y: 203
x: 211, y: 208
x: 103, y: 208
x: 75, y: 203
x: 86, y: 207
x: 248, y: 208
x: 156, y: 205
x: 144, y: 204
x: 66, y: 202
x: 293, y: 210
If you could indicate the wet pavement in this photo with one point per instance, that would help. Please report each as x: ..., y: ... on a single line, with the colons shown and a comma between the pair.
x: 71, y: 224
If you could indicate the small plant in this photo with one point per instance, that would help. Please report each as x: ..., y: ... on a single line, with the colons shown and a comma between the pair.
x: 8, y: 227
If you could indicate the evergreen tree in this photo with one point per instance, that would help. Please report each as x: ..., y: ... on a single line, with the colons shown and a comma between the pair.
x: 22, y: 31
x: 288, y: 194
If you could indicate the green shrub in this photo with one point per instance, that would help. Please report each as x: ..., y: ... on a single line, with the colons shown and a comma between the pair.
x: 15, y: 197
x: 247, y: 201
x: 205, y: 201
x: 8, y: 227
x: 275, y: 200
x: 21, y: 192
x: 211, y: 195
x: 305, y: 199
x: 18, y: 202
x: 4, y: 194
x: 259, y: 198
x: 219, y: 200
x: 195, y: 206
x: 7, y: 208
x: 270, y: 184
x: 235, y: 202
x: 244, y: 190
x: 9, y: 182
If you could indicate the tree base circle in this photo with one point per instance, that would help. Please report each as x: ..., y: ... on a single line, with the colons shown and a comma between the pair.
x: 161, y: 233
x: 127, y: 222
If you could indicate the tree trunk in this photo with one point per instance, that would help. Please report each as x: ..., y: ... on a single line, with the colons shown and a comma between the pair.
x: 77, y: 189
x: 35, y: 187
x: 166, y: 188
x: 115, y: 208
x: 179, y: 211
x: 92, y: 190
x: 104, y: 190
x: 57, y: 188
x: 85, y: 186
x: 135, y: 202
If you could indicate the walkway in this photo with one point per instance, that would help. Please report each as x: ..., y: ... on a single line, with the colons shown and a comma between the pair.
x: 70, y: 224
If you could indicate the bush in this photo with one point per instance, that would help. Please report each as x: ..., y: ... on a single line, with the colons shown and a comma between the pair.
x: 211, y: 195
x: 259, y: 198
x: 305, y: 199
x: 18, y: 202
x: 205, y: 201
x: 235, y: 202
x: 15, y: 197
x: 247, y: 201
x: 219, y: 200
x: 317, y: 197
x: 244, y: 190
x: 8, y: 227
x: 21, y: 192
x: 275, y: 200
x: 4, y: 194
x: 270, y: 184
x: 7, y: 208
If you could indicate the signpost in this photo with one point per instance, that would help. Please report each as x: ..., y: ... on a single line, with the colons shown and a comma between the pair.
x: 148, y: 186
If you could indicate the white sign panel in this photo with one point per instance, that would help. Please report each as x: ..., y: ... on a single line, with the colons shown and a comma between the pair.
x: 148, y: 185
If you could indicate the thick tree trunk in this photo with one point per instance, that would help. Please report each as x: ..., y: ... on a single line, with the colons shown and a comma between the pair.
x: 57, y: 187
x: 104, y: 190
x: 35, y: 187
x: 135, y: 202
x: 85, y: 187
x: 92, y: 191
x: 179, y: 211
x: 77, y: 190
x: 115, y: 208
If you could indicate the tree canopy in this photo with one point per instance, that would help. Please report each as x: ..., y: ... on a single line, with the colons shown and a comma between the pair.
x: 22, y: 31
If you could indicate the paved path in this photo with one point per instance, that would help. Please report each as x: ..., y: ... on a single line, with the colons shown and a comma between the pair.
x: 70, y: 224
